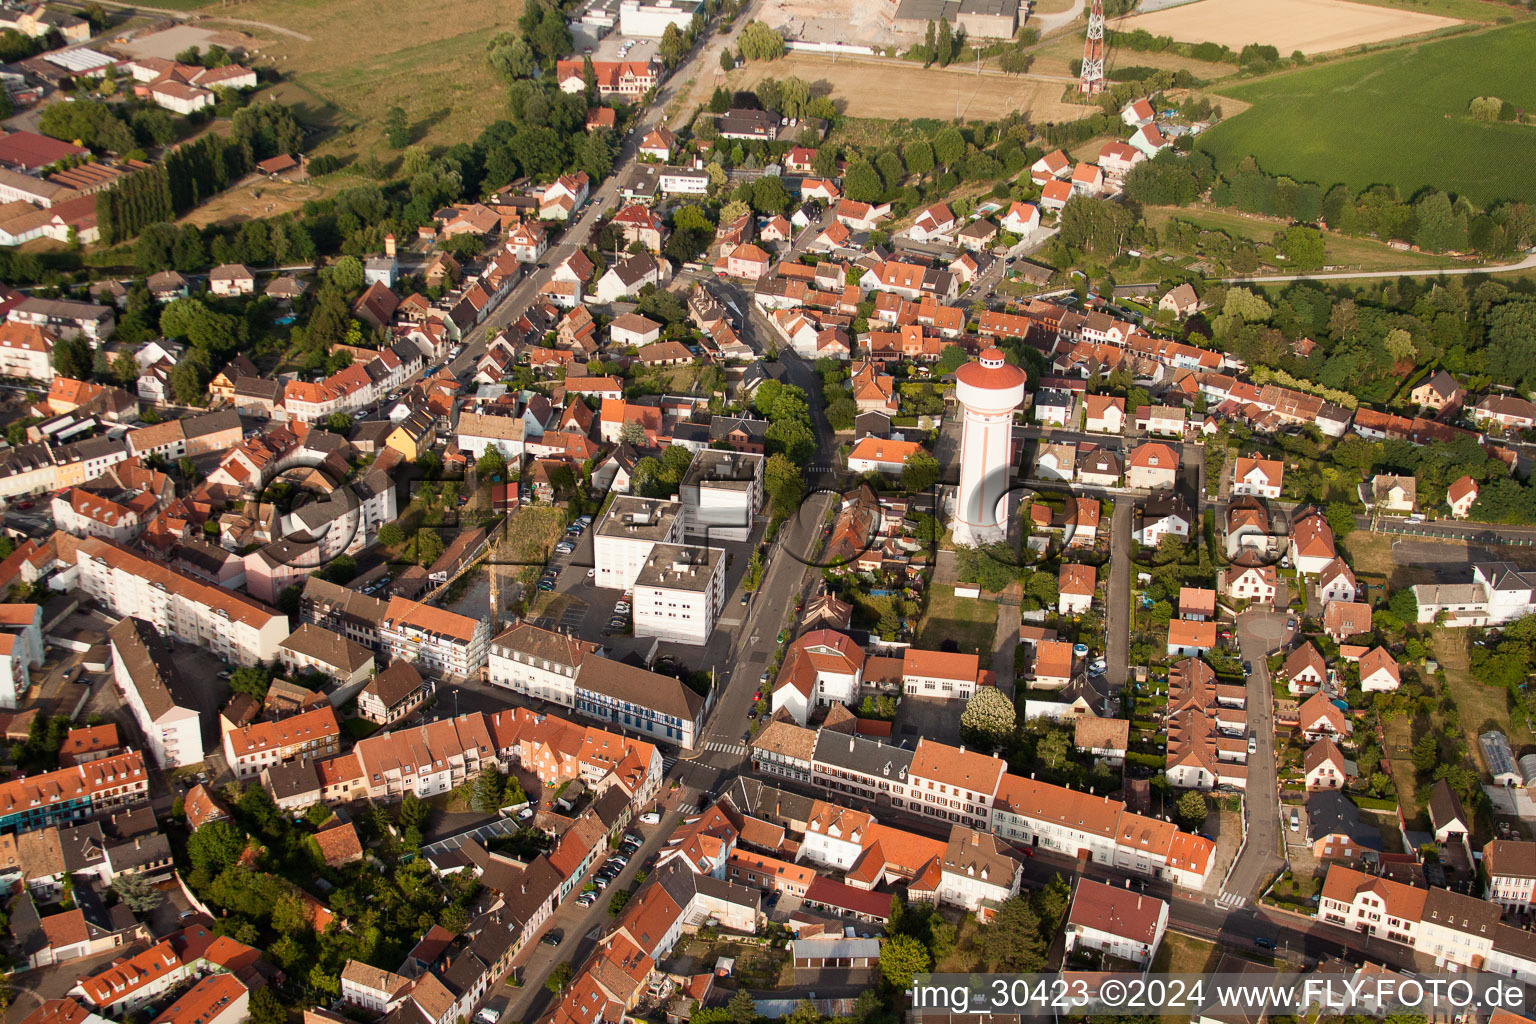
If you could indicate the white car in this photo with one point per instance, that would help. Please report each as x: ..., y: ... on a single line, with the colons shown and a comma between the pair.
x: 1253, y: 745
x: 650, y: 818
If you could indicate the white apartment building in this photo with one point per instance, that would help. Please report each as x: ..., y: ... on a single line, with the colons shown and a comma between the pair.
x: 21, y: 649
x: 722, y: 492
x: 680, y: 593
x: 26, y: 351
x: 438, y: 642
x: 238, y: 629
x: 144, y: 671
x: 623, y: 541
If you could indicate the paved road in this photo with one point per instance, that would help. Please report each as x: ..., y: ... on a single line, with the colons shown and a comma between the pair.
x: 1361, y: 275
x: 1259, y: 633
x: 1048, y: 23
x: 1117, y: 619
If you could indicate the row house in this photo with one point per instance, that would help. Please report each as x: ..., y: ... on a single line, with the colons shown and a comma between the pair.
x: 73, y: 794
x: 309, y: 735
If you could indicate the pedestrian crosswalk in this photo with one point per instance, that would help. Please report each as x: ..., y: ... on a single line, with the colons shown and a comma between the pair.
x: 1231, y: 900
x: 667, y: 763
x: 726, y: 748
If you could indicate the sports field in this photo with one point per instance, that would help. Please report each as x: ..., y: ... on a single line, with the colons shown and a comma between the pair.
x: 891, y: 89
x: 1311, y: 26
x: 1397, y: 117
x: 351, y: 61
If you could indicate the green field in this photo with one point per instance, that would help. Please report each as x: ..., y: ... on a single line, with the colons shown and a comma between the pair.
x: 1395, y: 117
x: 349, y: 64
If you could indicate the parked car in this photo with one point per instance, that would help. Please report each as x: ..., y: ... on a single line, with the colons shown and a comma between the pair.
x: 619, y: 859
x: 616, y: 622
x: 650, y: 818
x: 552, y: 937
x: 1253, y: 744
x: 486, y: 1015
x: 1295, y: 820
x: 586, y: 899
x: 1264, y: 942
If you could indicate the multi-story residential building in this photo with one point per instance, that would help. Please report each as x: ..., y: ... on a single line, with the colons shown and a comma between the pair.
x: 660, y: 707
x: 680, y: 593
x: 21, y: 649
x: 392, y: 694
x: 952, y: 676
x: 236, y: 628
x: 343, y: 610
x: 435, y: 640
x: 312, y: 648
x: 372, y: 988
x: 1257, y: 477
x: 1123, y: 923
x: 538, y: 662
x: 73, y: 794
x: 1022, y: 811
x: 1377, y: 907
x: 574, y: 673
x: 623, y: 541
x: 162, y: 702
x: 125, y: 986
x: 977, y: 872
x: 722, y: 492
x: 66, y: 318
x: 26, y: 351
x: 309, y: 735
x: 1510, y: 867
x: 218, y: 998
x: 821, y: 667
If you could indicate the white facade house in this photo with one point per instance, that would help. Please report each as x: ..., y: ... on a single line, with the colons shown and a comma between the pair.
x: 538, y: 662
x: 1260, y: 478
x: 1122, y: 923
x: 722, y: 492
x: 680, y: 593
x: 622, y: 542
x: 988, y: 391
x: 978, y: 872
x: 145, y: 675
x: 438, y: 642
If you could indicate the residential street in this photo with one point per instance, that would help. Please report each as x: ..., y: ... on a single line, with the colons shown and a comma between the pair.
x: 1259, y: 633
x: 1117, y: 618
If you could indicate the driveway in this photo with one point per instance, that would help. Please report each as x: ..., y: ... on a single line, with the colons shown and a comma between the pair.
x: 1259, y: 634
x: 1117, y: 618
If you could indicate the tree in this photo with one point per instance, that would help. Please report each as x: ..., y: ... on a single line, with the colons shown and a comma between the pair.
x: 741, y: 1009
x: 1192, y: 809
x: 251, y: 680
x: 759, y: 42
x: 949, y: 146
x: 72, y: 357
x: 944, y: 47
x: 492, y: 463
x: 266, y: 1008
x: 414, y: 812
x: 1426, y: 753
x: 901, y: 958
x: 1341, y: 518
x: 511, y: 56
x: 397, y: 129
x: 727, y: 62
x: 1012, y: 943
x: 391, y: 535
x: 137, y: 892
x: 347, y: 273
x: 862, y: 182
x: 673, y: 45
x: 488, y: 790
x: 1405, y: 605
x: 559, y: 977
x: 290, y: 914
x: 989, y: 714
x: 919, y: 472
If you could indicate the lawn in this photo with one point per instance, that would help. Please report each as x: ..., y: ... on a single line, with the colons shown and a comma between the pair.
x: 970, y: 623
x: 1463, y: 10
x: 1481, y: 707
x: 1399, y: 745
x: 1339, y: 250
x: 1396, y: 117
x: 1184, y: 954
x: 348, y: 64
